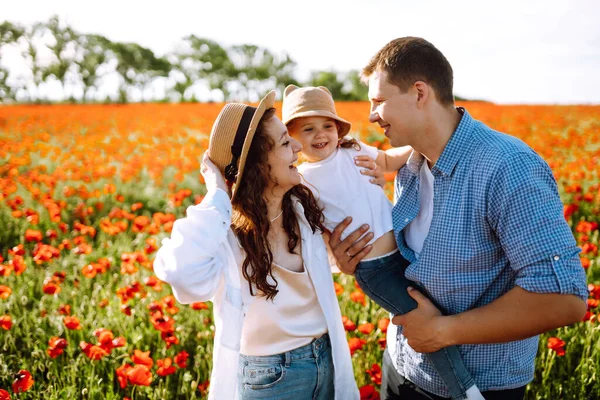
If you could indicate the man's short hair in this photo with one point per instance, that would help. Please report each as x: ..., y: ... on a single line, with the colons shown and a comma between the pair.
x: 410, y: 59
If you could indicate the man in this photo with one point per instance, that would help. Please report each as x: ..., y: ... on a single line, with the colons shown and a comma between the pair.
x: 479, y: 217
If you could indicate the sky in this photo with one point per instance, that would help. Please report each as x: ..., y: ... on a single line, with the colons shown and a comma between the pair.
x: 507, y: 52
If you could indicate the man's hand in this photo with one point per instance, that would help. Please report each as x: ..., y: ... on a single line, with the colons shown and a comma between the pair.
x: 371, y: 168
x: 349, y: 252
x: 423, y: 327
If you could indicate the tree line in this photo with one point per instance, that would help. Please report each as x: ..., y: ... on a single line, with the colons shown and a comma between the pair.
x: 80, y: 65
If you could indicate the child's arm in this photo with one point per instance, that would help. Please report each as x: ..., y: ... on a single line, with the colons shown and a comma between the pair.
x: 391, y: 160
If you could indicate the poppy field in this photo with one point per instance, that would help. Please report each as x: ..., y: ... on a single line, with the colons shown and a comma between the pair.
x: 87, y: 193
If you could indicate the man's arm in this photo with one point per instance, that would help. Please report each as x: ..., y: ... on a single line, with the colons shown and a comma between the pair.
x: 349, y: 252
x: 517, y: 315
x: 525, y: 211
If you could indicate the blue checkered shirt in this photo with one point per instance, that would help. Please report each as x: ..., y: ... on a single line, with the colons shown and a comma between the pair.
x: 497, y: 222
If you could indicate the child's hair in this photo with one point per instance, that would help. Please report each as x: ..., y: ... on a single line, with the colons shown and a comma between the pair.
x: 349, y: 142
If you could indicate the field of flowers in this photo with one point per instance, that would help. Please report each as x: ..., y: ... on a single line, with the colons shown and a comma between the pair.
x: 88, y: 192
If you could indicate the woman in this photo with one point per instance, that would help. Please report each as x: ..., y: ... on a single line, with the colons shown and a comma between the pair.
x: 262, y: 261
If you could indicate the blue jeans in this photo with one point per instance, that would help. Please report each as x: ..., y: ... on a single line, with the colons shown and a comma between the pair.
x: 383, y: 280
x: 302, y: 373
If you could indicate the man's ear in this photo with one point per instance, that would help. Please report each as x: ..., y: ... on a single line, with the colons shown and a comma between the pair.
x: 423, y: 91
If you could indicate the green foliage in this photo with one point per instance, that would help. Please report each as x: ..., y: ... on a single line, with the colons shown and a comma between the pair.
x: 243, y: 72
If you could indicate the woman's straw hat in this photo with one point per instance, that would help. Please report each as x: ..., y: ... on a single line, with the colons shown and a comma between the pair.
x: 311, y: 102
x: 232, y: 135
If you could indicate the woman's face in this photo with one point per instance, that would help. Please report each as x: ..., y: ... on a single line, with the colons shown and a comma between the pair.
x: 282, y: 157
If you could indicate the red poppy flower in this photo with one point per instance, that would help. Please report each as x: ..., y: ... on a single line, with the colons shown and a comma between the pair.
x: 365, y: 329
x: 169, y: 338
x: 556, y: 345
x: 122, y: 375
x: 163, y: 323
x: 57, y: 342
x: 105, y: 338
x: 56, y: 346
x: 23, y: 382
x: 383, y: 324
x: 5, y: 291
x: 181, y: 359
x: 375, y: 374
x: 203, y: 387
x: 355, y: 344
x: 72, y: 322
x: 32, y: 235
x: 368, y: 392
x: 126, y: 309
x: 140, y: 375
x: 64, y: 309
x: 154, y: 283
x: 89, y: 271
x: 339, y: 289
x: 18, y: 264
x: 349, y: 325
x: 200, y: 306
x: 142, y: 357
x: 119, y: 342
x: 51, y: 288
x: 585, y: 262
x: 4, y: 395
x: 165, y: 367
x: 5, y: 322
x: 358, y: 296
x: 151, y: 245
x: 92, y: 351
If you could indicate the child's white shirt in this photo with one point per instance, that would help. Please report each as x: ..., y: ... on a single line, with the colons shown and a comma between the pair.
x: 343, y: 191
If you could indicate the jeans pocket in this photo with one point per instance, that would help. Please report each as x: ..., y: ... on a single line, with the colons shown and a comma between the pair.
x: 262, y: 376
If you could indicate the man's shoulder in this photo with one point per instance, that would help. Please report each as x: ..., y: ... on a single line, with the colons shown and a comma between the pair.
x: 492, y: 148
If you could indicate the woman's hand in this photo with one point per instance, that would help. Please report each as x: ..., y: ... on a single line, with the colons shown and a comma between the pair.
x: 371, y: 168
x: 212, y: 176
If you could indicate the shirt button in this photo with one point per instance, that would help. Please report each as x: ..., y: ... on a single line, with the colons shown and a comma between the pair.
x: 405, y: 219
x: 556, y: 258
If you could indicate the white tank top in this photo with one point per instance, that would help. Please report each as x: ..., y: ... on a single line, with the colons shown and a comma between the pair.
x: 292, y: 319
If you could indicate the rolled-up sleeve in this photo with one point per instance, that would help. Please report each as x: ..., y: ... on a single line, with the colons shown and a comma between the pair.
x: 192, y: 259
x: 525, y: 210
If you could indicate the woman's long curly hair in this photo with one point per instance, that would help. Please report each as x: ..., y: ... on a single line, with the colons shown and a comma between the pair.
x: 250, y: 220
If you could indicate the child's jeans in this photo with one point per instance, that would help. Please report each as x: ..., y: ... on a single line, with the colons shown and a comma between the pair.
x: 383, y: 280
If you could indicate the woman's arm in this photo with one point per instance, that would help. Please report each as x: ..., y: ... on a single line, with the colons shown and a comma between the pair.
x: 193, y: 259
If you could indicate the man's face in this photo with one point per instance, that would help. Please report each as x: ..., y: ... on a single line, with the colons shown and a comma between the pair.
x: 393, y: 110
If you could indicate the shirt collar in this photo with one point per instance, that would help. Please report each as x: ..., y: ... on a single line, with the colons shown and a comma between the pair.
x: 456, y: 146
x: 453, y: 151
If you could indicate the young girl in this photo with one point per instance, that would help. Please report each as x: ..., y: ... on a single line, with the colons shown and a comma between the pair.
x: 311, y: 118
x: 257, y: 252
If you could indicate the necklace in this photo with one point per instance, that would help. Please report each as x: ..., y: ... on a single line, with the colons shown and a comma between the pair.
x: 278, y: 215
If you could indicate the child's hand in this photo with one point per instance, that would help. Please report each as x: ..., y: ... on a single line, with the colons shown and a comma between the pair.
x: 371, y: 168
x: 212, y: 176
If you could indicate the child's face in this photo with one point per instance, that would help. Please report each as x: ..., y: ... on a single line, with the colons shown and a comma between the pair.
x: 317, y: 135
